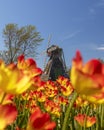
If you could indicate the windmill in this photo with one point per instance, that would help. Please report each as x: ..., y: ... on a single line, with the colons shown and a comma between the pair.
x: 56, y: 64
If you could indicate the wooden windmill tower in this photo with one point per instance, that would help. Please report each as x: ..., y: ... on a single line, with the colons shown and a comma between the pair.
x: 56, y: 64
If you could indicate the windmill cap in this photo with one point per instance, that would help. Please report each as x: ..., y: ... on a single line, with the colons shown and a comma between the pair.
x: 52, y: 48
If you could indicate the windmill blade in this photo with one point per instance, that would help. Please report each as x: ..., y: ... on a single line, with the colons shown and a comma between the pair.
x: 48, y: 44
x: 49, y: 39
x: 43, y: 53
x: 45, y: 59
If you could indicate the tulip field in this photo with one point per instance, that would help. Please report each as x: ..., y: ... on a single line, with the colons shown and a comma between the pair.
x: 28, y: 103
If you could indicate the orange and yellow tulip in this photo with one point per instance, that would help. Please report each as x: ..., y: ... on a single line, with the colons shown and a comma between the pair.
x: 8, y: 114
x: 87, y: 79
x: 13, y: 81
x: 85, y: 120
x: 40, y: 121
x: 28, y: 65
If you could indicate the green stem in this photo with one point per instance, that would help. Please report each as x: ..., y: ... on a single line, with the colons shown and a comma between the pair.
x: 85, y: 121
x: 97, y: 118
x: 65, y: 123
x: 102, y: 116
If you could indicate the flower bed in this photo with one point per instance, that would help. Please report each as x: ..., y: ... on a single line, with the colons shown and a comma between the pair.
x: 28, y: 103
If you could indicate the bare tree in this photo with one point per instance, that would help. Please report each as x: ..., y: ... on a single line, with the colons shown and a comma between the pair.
x: 23, y: 40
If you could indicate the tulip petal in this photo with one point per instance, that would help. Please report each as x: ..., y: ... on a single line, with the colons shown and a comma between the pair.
x: 8, y: 114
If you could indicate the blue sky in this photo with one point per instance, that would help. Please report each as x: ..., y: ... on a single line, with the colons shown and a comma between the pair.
x: 72, y: 24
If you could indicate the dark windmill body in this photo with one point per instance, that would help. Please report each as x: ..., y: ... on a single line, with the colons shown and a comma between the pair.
x: 56, y: 64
